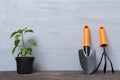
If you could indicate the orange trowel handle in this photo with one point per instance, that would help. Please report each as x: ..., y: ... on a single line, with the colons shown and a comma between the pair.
x: 103, y: 40
x: 86, y: 36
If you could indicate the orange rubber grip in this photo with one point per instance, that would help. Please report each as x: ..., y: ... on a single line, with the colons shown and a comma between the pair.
x: 86, y: 36
x: 103, y: 39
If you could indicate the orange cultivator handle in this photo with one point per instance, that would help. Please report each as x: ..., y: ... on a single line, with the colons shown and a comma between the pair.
x: 86, y: 36
x: 103, y: 40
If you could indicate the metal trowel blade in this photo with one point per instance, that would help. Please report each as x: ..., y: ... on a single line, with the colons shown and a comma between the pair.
x: 88, y: 63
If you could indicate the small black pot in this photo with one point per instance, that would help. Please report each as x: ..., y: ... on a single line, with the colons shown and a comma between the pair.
x: 24, y: 65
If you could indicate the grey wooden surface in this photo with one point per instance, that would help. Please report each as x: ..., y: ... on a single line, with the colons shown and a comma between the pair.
x: 59, y: 75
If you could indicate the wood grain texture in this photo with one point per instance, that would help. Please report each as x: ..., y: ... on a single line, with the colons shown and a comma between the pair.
x: 59, y: 75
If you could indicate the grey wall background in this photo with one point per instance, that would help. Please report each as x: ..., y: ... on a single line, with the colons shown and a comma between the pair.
x: 58, y: 26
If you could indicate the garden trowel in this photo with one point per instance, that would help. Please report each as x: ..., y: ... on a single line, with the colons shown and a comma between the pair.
x: 87, y: 55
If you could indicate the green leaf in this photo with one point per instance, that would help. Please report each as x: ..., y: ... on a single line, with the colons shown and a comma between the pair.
x: 17, y: 42
x: 17, y: 37
x: 32, y: 42
x: 24, y: 51
x: 13, y: 50
x: 20, y: 31
x: 29, y: 51
x: 29, y: 31
x: 13, y: 34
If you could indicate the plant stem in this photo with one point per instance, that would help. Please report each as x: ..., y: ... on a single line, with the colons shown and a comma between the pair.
x: 23, y: 41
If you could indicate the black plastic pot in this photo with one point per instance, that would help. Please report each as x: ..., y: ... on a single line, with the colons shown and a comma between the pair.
x: 24, y: 65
